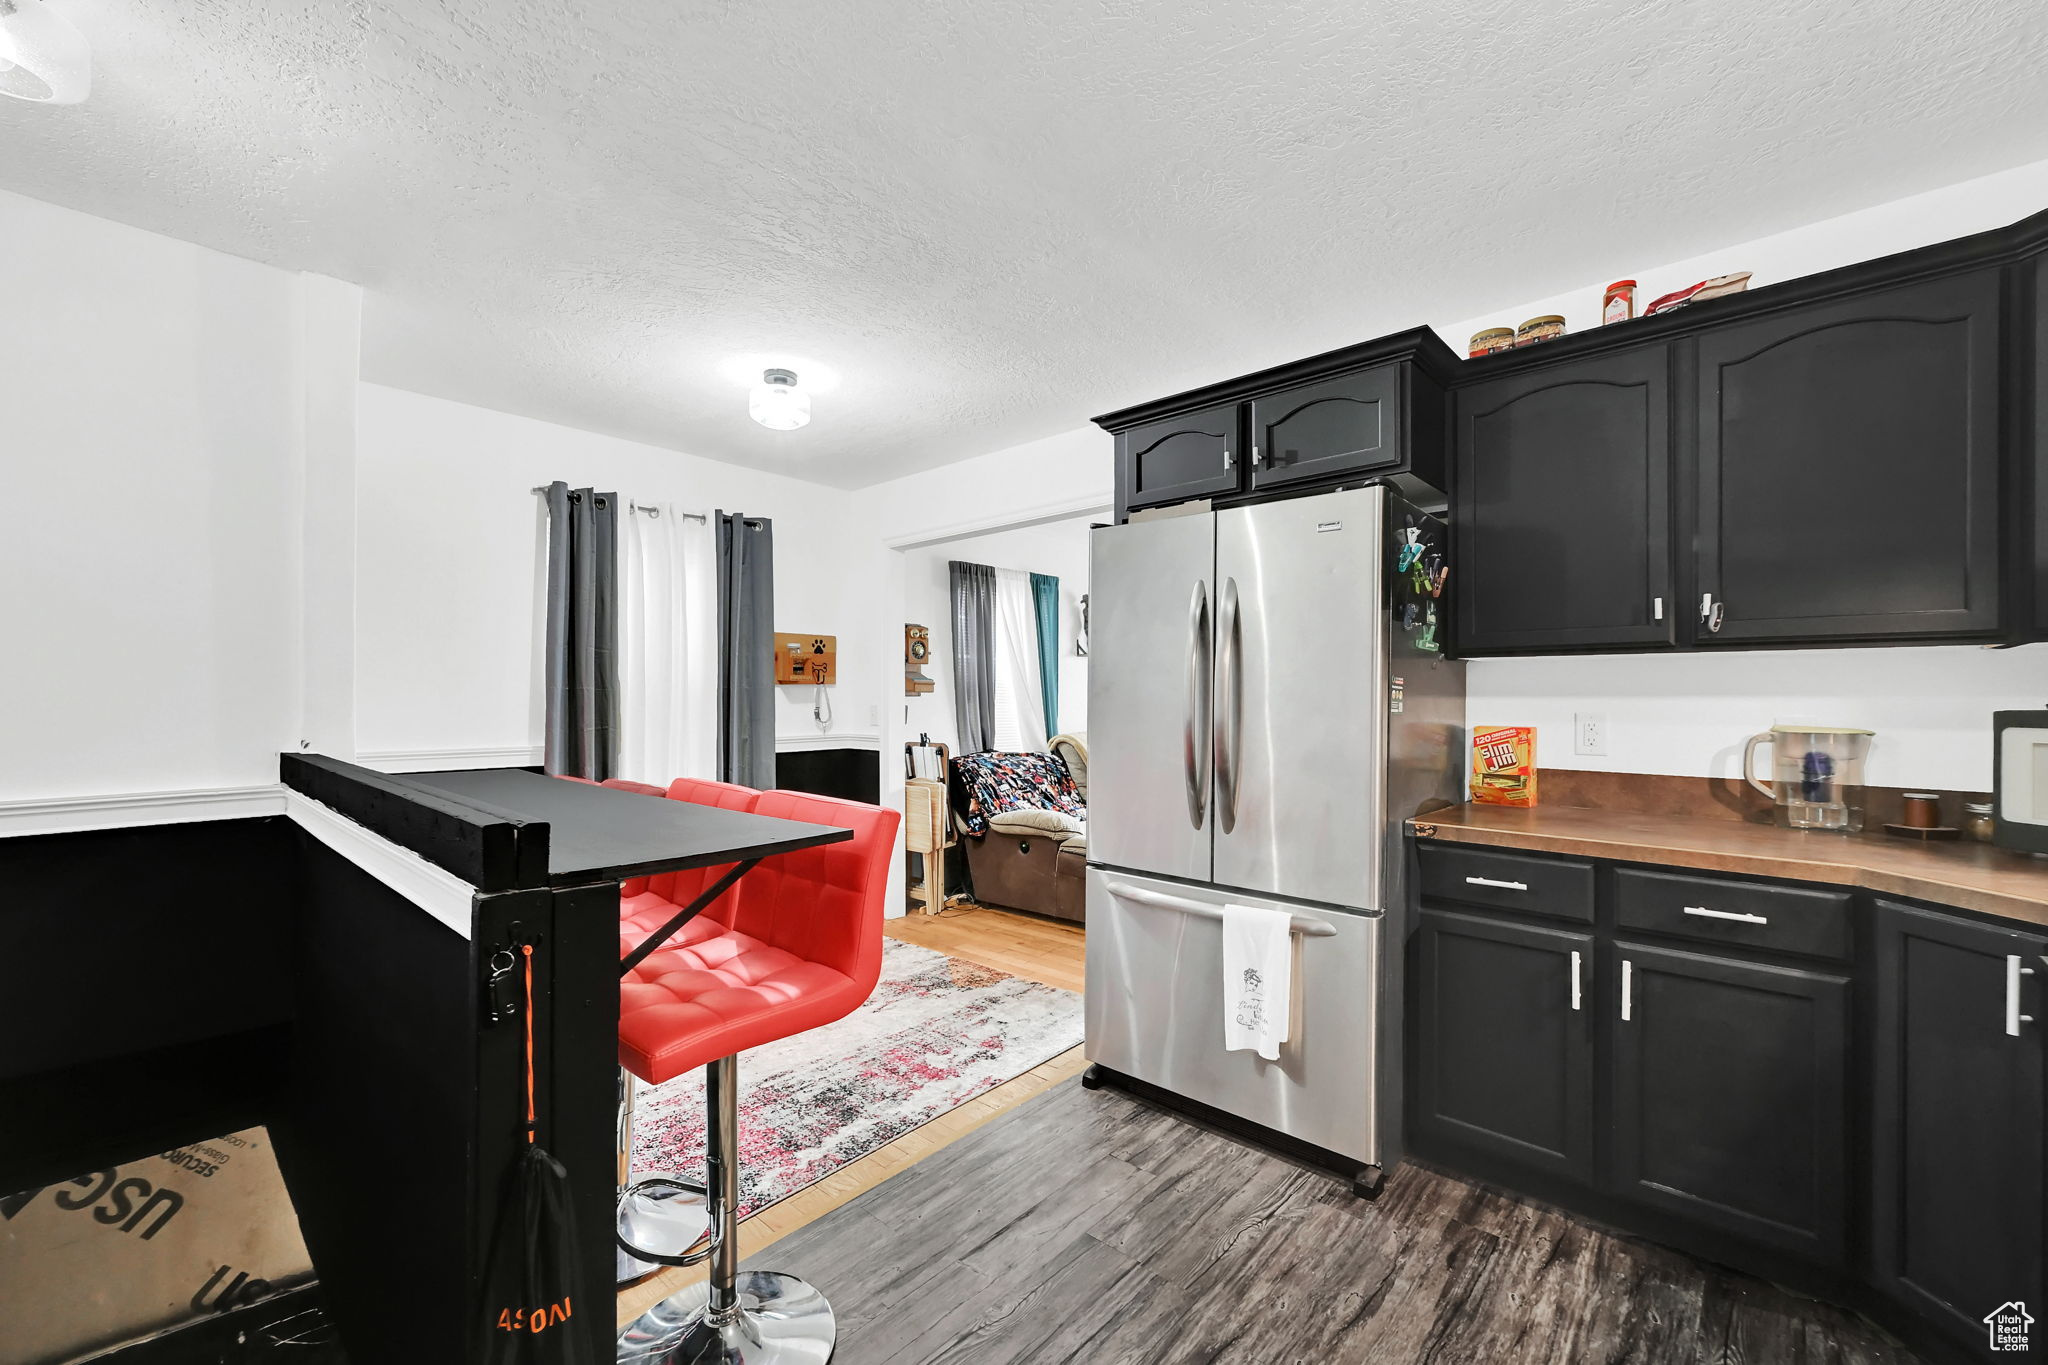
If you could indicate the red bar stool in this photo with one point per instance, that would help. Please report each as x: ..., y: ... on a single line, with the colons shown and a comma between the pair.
x: 663, y: 1219
x: 799, y: 947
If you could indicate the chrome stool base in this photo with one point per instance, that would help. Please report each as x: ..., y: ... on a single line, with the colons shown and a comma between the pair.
x: 781, y: 1321
x: 662, y: 1221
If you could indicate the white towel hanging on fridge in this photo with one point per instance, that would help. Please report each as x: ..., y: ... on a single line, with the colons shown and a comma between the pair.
x: 1258, y: 984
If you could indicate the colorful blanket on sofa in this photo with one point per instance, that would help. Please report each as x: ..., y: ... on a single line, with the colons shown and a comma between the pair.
x: 989, y: 784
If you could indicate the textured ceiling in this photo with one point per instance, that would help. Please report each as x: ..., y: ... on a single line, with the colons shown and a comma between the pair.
x: 988, y: 219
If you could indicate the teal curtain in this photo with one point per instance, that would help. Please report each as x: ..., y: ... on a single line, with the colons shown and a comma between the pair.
x: 1045, y: 601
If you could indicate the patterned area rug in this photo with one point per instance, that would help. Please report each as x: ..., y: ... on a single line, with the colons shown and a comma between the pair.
x: 937, y: 1032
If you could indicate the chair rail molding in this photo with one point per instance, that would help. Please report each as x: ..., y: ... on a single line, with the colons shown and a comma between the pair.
x: 450, y: 760
x: 829, y: 739
x: 70, y: 814
x: 435, y: 890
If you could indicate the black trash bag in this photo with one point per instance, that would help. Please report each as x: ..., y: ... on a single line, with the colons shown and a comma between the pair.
x: 533, y: 1282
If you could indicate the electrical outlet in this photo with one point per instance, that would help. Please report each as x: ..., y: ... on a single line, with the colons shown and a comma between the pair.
x: 1589, y: 733
x: 874, y: 715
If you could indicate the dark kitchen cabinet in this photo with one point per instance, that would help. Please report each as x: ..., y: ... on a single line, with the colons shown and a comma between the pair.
x: 1563, y: 506
x: 1327, y: 430
x: 1730, y: 1084
x: 2038, y: 268
x: 1375, y: 410
x: 1189, y: 456
x: 1506, y: 1040
x: 1848, y: 468
x: 1957, y: 1227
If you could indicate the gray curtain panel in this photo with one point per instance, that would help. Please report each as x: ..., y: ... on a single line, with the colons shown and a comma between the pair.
x: 974, y: 655
x: 583, y: 632
x: 746, y: 648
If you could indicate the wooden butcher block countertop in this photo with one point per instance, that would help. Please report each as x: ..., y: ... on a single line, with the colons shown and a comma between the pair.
x: 1962, y: 874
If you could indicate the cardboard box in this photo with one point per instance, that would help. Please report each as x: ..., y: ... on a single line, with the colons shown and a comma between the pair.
x: 114, y: 1255
x: 1504, y: 765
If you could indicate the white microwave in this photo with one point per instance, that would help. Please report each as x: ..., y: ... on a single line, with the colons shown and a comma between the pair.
x: 2019, y: 780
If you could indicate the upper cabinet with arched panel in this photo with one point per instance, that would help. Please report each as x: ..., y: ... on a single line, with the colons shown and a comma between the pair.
x: 1367, y: 411
x: 1847, y: 481
x: 1329, y: 429
x: 1191, y: 455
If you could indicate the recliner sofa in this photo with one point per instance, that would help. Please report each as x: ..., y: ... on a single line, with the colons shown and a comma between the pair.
x: 1023, y: 822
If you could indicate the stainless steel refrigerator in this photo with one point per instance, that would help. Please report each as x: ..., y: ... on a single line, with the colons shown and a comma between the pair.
x: 1262, y: 717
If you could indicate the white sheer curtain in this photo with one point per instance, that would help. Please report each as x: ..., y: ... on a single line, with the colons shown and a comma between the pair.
x: 1020, y: 706
x: 668, y: 645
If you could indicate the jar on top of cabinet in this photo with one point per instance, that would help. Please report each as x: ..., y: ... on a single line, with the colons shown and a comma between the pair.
x: 1491, y: 340
x: 1619, y: 302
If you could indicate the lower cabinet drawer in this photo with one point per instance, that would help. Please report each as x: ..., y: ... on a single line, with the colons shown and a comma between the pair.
x: 1734, y: 914
x: 1557, y: 887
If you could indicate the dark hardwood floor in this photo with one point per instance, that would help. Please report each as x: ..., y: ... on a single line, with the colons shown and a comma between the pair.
x: 1089, y: 1226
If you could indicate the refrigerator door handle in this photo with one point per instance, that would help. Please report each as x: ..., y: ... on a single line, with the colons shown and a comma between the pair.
x: 1307, y: 926
x: 1229, y: 722
x: 1197, y: 723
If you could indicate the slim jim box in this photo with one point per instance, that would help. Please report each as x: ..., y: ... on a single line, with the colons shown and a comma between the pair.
x: 1504, y: 765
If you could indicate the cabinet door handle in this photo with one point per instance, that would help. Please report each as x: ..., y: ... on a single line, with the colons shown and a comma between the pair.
x: 1228, y: 462
x: 1710, y: 613
x: 1725, y: 914
x: 2013, y: 972
x: 1628, y: 972
x: 1255, y: 455
x: 1656, y: 609
x: 1575, y: 978
x: 1489, y: 881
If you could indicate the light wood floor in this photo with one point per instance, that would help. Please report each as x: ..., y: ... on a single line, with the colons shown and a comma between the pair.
x: 1022, y: 945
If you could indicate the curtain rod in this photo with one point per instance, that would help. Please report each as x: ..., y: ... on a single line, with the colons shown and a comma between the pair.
x: 656, y: 511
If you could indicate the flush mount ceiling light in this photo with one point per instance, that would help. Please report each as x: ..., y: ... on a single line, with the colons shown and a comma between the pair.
x: 42, y: 58
x: 776, y: 402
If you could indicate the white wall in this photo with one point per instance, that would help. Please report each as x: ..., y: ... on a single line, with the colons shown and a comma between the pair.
x: 1922, y: 220
x: 452, y: 558
x: 153, y: 426
x: 1688, y: 714
x: 1059, y: 548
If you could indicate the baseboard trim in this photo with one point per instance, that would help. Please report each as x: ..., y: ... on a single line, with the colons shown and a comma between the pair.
x: 70, y: 814
x: 450, y: 760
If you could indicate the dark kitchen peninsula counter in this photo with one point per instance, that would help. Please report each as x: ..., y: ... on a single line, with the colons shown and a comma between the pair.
x: 604, y: 833
x: 501, y: 829
x: 452, y: 948
x: 1958, y: 873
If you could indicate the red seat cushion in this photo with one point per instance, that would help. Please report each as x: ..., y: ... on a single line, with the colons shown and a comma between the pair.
x: 803, y: 947
x: 702, y: 791
x: 684, y: 887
